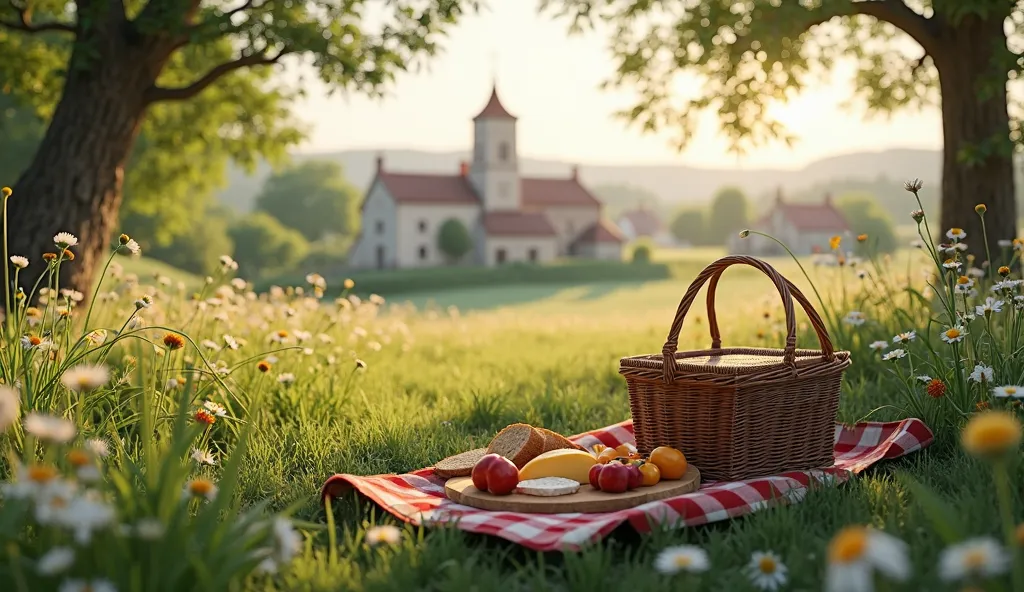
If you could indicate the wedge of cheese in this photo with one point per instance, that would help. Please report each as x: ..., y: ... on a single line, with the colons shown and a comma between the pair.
x: 568, y: 464
x: 548, y: 486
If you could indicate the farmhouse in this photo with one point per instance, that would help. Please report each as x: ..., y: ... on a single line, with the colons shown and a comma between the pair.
x: 509, y: 218
x: 641, y: 222
x: 804, y: 228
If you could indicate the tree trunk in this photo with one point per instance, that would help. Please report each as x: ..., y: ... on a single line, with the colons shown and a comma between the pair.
x: 977, y: 164
x: 74, y: 182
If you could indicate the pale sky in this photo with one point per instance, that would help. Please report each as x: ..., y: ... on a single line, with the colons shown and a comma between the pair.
x: 550, y: 82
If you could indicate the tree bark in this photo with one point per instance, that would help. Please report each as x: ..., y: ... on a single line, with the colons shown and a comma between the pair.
x: 74, y: 182
x: 977, y: 164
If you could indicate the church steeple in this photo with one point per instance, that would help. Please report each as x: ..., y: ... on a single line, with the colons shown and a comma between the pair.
x: 494, y: 172
x: 494, y: 109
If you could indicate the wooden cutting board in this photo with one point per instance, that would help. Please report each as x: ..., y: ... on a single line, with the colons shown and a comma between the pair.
x: 587, y: 500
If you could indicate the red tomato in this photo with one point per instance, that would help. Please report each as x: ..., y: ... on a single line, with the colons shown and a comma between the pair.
x: 614, y: 478
x: 495, y: 474
x: 636, y: 478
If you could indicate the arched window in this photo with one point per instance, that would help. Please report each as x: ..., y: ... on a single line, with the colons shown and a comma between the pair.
x: 503, y: 151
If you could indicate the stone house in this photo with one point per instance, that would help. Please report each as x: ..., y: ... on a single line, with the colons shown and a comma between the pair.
x: 804, y: 227
x: 643, y: 223
x: 510, y: 218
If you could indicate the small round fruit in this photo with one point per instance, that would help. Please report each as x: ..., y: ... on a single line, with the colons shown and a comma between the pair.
x: 636, y: 478
x: 607, y: 455
x: 502, y: 476
x: 598, y: 449
x: 594, y: 475
x: 670, y: 462
x: 614, y: 478
x: 625, y: 449
x: 480, y: 470
x: 651, y: 474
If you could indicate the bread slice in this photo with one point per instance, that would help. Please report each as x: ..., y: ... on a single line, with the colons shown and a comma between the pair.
x: 459, y: 465
x: 519, y: 442
x: 556, y: 441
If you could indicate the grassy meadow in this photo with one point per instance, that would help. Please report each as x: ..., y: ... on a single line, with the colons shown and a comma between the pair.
x: 272, y: 393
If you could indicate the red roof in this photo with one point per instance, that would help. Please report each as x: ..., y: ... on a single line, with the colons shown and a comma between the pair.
x: 644, y: 222
x: 517, y: 224
x: 542, y: 193
x: 601, y: 232
x: 494, y: 109
x: 428, y: 189
x: 814, y: 217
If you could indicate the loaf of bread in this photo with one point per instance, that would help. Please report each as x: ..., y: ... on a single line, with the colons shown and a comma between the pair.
x: 519, y: 442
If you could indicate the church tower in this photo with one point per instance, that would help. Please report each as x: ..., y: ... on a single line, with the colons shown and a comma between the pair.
x: 494, y: 171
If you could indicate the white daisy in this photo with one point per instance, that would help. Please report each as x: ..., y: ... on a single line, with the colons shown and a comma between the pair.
x: 856, y: 552
x: 981, y: 557
x: 238, y: 284
x: 1008, y: 391
x: 228, y: 264
x: 682, y: 558
x: 895, y: 354
x: 981, y: 373
x: 65, y: 240
x: 133, y: 247
x: 878, y: 345
x: 203, y: 457
x: 956, y: 234
x: 1004, y: 242
x: 286, y: 378
x: 387, y: 534
x: 215, y: 408
x: 990, y: 306
x: 96, y: 337
x: 951, y: 264
x: 50, y: 428
x: 97, y: 585
x: 230, y: 342
x: 72, y: 295
x: 10, y: 406
x: 97, y: 446
x: 954, y: 335
x: 203, y: 488
x: 976, y: 272
x: 855, y: 318
x: 286, y: 545
x: 55, y: 561
x: 925, y: 378
x: 766, y: 571
x: 150, y: 529
x: 83, y: 516
x: 85, y: 377
x: 19, y: 261
x: 905, y: 336
x: 963, y: 284
x: 1006, y: 285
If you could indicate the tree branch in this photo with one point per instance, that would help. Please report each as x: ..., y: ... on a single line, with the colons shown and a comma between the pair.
x: 25, y: 25
x: 921, y: 29
x: 182, y: 93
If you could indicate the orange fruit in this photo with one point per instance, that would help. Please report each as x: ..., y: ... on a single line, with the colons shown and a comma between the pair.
x: 671, y: 462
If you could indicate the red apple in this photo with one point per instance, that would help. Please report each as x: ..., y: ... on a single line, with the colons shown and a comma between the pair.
x: 595, y: 473
x: 479, y: 474
x: 614, y: 478
x: 502, y: 476
x: 636, y: 478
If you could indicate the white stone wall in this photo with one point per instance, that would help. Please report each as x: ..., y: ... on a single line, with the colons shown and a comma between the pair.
x: 517, y: 249
x: 570, y: 222
x: 377, y: 244
x: 602, y: 251
x: 494, y: 170
x: 418, y: 228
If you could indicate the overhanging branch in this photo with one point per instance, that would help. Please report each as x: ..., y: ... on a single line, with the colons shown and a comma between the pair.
x: 24, y: 23
x: 182, y: 93
x: 920, y: 28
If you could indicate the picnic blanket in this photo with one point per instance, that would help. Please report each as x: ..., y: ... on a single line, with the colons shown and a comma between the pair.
x: 419, y: 498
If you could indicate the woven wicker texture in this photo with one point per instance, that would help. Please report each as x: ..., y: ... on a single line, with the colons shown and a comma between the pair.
x: 739, y: 413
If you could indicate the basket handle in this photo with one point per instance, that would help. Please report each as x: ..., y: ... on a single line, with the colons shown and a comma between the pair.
x: 827, y: 348
x: 715, y: 269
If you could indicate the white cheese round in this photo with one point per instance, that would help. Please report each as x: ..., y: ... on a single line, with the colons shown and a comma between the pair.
x: 548, y: 486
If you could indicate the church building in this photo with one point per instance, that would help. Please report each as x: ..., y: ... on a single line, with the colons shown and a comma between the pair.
x: 509, y: 217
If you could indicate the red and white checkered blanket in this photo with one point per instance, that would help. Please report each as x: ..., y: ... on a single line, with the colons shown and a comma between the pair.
x: 419, y: 497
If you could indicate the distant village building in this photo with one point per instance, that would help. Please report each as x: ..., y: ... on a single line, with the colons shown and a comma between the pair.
x: 804, y: 228
x: 644, y: 223
x: 510, y: 218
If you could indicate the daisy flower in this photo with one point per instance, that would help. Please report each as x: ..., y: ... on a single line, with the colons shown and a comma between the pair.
x: 895, y: 354
x: 1008, y: 391
x: 981, y: 373
x: 65, y: 240
x: 766, y: 571
x: 990, y: 306
x: 854, y: 318
x: 85, y: 377
x: 905, y: 336
x: 150, y: 529
x: 98, y: 447
x: 682, y: 558
x: 856, y: 552
x: 1004, y: 243
x: 230, y: 342
x: 925, y: 378
x: 963, y: 284
x: 286, y: 378
x: 956, y: 234
x: 286, y: 545
x: 203, y: 488
x: 954, y: 335
x: 55, y: 561
x: 951, y: 264
x: 991, y: 434
x: 879, y: 345
x: 50, y: 428
x: 387, y: 534
x: 215, y: 408
x: 10, y: 406
x: 133, y: 247
x: 97, y: 585
x: 83, y: 516
x: 203, y: 457
x: 980, y: 557
x: 1006, y: 285
x: 19, y: 261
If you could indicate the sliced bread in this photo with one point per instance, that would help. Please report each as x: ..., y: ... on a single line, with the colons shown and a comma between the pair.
x: 556, y: 441
x: 519, y: 443
x: 459, y: 465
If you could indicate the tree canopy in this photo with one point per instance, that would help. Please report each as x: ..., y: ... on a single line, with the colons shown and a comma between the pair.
x: 727, y: 216
x: 264, y: 246
x: 313, y: 198
x: 453, y: 239
x: 865, y: 216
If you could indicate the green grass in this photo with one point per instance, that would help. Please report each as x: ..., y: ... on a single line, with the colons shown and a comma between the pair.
x: 147, y: 270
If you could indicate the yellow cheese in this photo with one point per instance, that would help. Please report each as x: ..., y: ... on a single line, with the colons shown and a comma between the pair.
x: 569, y: 464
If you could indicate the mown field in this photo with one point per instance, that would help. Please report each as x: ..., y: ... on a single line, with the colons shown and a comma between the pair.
x: 444, y: 370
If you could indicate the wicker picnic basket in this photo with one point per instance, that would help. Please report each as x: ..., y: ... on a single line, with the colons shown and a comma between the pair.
x: 739, y: 412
